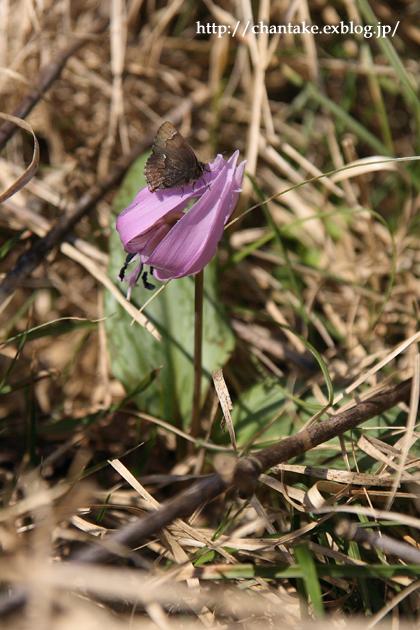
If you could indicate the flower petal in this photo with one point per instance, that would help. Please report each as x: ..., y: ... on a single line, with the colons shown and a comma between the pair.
x: 176, y: 243
x: 192, y: 242
x: 147, y: 208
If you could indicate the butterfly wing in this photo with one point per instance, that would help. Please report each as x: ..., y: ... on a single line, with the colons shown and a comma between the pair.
x: 173, y: 163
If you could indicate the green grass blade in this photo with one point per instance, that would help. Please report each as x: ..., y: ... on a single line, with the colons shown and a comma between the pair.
x: 394, y: 60
x: 311, y: 581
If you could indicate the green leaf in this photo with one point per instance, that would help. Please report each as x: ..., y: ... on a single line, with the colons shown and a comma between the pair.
x: 369, y: 571
x: 260, y: 411
x: 312, y: 585
x: 205, y: 558
x: 135, y: 352
x: 54, y: 328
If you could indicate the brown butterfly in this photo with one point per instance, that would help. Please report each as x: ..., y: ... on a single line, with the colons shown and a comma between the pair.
x: 173, y: 163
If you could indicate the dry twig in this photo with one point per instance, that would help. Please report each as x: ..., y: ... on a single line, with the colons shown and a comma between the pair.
x: 30, y: 259
x: 46, y: 78
x: 245, y: 475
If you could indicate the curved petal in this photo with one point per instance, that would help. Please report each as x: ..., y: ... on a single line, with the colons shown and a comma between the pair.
x: 192, y: 242
x: 147, y: 208
x: 177, y: 243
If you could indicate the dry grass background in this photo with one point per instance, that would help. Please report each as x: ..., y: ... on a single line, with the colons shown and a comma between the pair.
x: 271, y: 97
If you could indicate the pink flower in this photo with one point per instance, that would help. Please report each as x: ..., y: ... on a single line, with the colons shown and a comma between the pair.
x: 155, y: 230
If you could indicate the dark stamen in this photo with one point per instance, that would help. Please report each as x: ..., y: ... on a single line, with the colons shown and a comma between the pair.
x: 148, y: 285
x: 124, y: 267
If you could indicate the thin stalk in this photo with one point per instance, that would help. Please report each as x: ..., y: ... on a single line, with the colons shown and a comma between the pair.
x: 198, y: 345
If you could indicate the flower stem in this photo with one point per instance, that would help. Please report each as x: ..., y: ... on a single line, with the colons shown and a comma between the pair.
x: 198, y: 343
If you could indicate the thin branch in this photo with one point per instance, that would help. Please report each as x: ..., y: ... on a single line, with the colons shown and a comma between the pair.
x: 30, y: 259
x: 47, y: 76
x: 390, y: 546
x: 187, y: 502
x: 249, y: 468
x: 245, y: 476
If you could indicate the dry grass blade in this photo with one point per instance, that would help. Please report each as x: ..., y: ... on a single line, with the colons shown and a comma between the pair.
x: 226, y: 405
x: 48, y: 75
x: 30, y: 171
